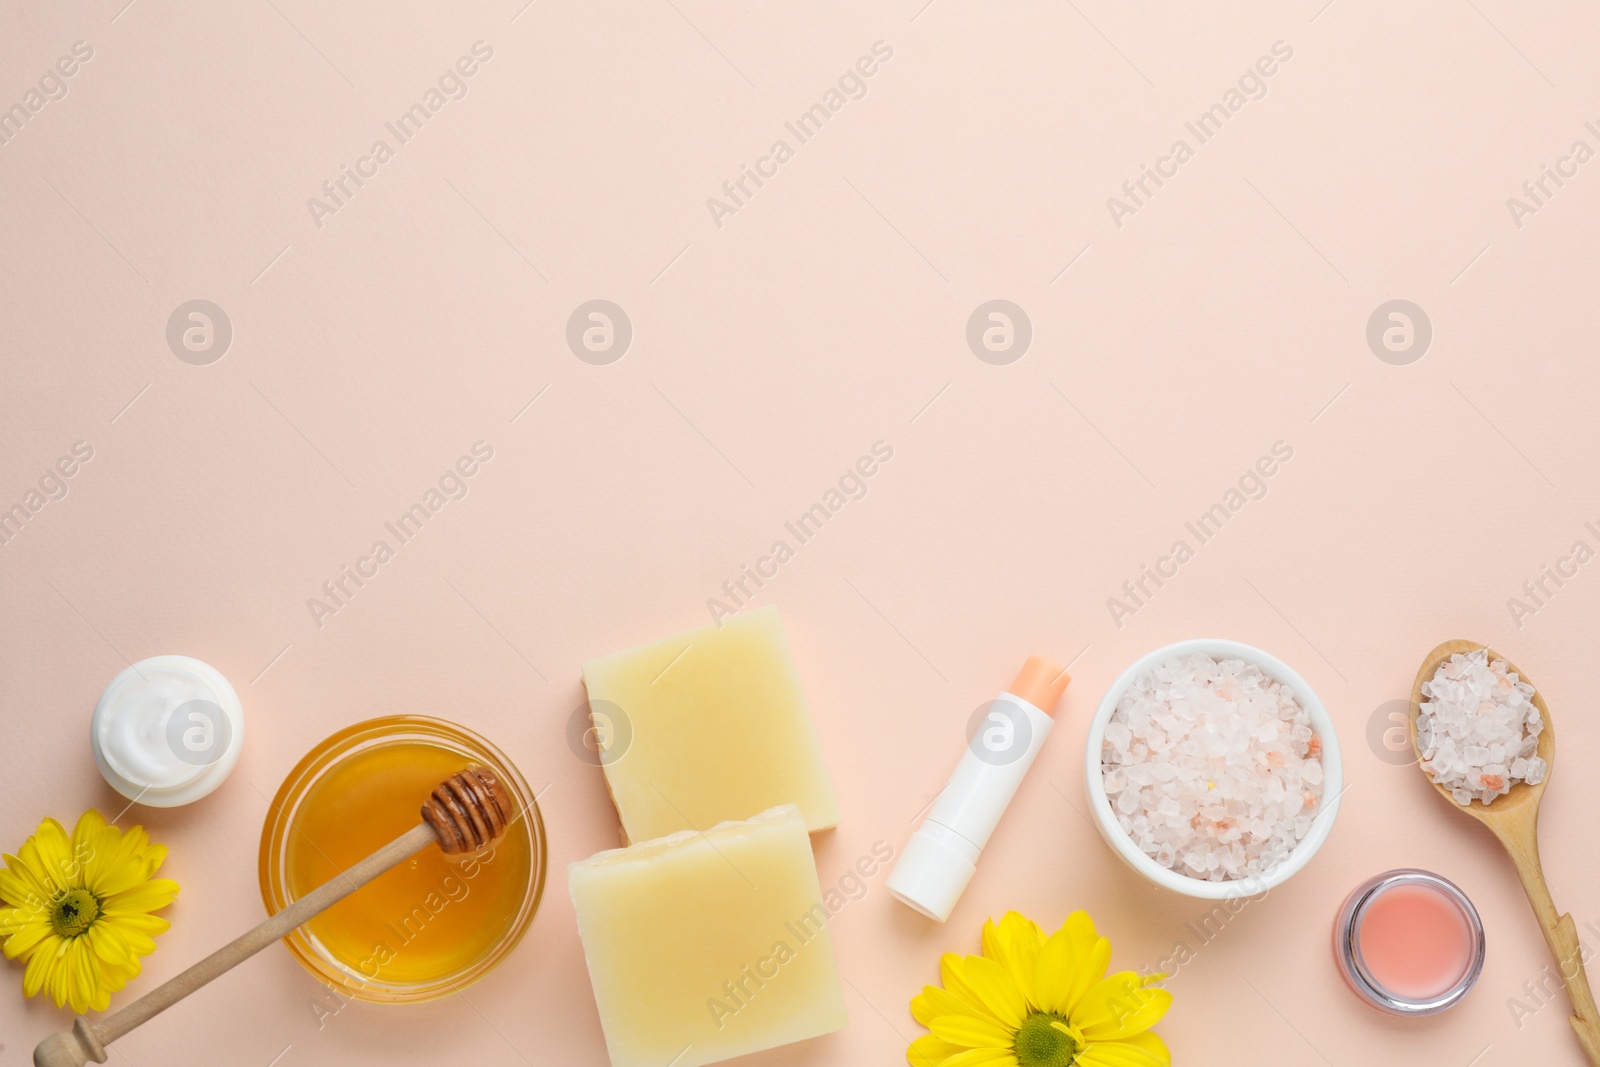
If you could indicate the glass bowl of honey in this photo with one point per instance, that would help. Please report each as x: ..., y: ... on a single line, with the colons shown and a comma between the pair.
x: 436, y: 923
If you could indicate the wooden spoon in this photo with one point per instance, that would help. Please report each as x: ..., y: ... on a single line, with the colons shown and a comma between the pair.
x: 1514, y: 819
x: 467, y: 812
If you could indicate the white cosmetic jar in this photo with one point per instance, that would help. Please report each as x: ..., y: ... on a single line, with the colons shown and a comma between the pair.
x: 1105, y: 819
x: 167, y: 731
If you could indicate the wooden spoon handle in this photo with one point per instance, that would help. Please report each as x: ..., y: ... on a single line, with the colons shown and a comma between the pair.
x: 87, y: 1040
x: 1561, y: 934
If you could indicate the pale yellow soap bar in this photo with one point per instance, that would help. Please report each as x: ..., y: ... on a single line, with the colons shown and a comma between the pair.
x: 706, y: 946
x: 708, y: 726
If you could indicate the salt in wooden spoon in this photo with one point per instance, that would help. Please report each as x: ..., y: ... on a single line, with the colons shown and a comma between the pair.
x: 467, y: 812
x: 1514, y: 819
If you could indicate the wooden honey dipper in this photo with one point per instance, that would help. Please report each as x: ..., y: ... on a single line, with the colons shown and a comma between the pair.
x: 468, y: 811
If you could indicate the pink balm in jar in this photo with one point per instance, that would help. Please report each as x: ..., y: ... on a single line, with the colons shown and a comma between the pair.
x: 1409, y: 942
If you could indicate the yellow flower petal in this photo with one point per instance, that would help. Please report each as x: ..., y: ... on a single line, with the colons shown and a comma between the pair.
x: 933, y: 1002
x: 116, y: 975
x: 1116, y: 1054
x: 90, y: 824
x: 983, y: 1057
x: 105, y: 981
x: 20, y: 886
x: 41, y: 965
x: 1014, y: 944
x: 1080, y: 926
x: 931, y: 1051
x: 93, y: 992
x: 968, y: 1032
x: 140, y: 897
x: 1092, y: 970
x: 154, y: 857
x: 996, y: 988
x: 111, y: 944
x: 1072, y: 959
x: 73, y: 987
x: 38, y: 873
x: 993, y: 946
x: 1151, y: 1044
x: 118, y: 861
x: 138, y: 922
x: 139, y: 944
x: 1119, y: 1007
x: 101, y: 848
x: 14, y: 919
x: 1023, y: 927
x: 25, y: 937
x: 53, y: 852
x: 952, y: 973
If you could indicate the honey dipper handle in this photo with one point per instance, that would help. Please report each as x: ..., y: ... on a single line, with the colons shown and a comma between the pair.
x: 87, y: 1040
x: 1561, y: 934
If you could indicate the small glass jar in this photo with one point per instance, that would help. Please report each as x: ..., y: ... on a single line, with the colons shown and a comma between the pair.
x: 434, y: 924
x: 1409, y: 942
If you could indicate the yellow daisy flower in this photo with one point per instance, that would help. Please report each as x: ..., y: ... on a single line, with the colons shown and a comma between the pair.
x: 77, y: 909
x: 1033, y: 1000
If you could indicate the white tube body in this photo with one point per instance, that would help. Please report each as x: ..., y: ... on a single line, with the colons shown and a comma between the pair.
x: 991, y: 769
x: 941, y: 857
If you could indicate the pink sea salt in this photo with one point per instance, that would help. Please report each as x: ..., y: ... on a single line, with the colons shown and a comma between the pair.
x: 1478, y: 729
x: 1212, y: 767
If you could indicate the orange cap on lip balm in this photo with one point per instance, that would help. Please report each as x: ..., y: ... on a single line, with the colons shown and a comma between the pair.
x: 1040, y: 682
x: 942, y: 856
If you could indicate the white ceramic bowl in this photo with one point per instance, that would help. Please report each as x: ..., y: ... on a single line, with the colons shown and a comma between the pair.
x: 1332, y: 766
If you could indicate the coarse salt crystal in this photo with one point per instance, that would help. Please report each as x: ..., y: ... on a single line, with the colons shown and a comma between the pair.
x: 1477, y: 713
x: 1220, y: 763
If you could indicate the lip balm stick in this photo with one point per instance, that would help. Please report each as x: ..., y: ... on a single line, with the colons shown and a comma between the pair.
x: 942, y: 856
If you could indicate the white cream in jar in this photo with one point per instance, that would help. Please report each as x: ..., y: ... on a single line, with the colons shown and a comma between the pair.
x: 167, y: 731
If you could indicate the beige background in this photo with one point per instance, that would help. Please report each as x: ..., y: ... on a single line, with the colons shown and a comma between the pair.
x: 827, y: 313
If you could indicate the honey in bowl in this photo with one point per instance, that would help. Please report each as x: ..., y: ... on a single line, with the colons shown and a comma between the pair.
x: 431, y: 925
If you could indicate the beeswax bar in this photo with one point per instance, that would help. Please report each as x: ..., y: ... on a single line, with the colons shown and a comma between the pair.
x: 706, y: 946
x: 708, y: 726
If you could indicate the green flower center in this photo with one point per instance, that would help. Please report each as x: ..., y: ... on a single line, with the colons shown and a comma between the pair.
x: 1043, y: 1040
x: 74, y: 912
